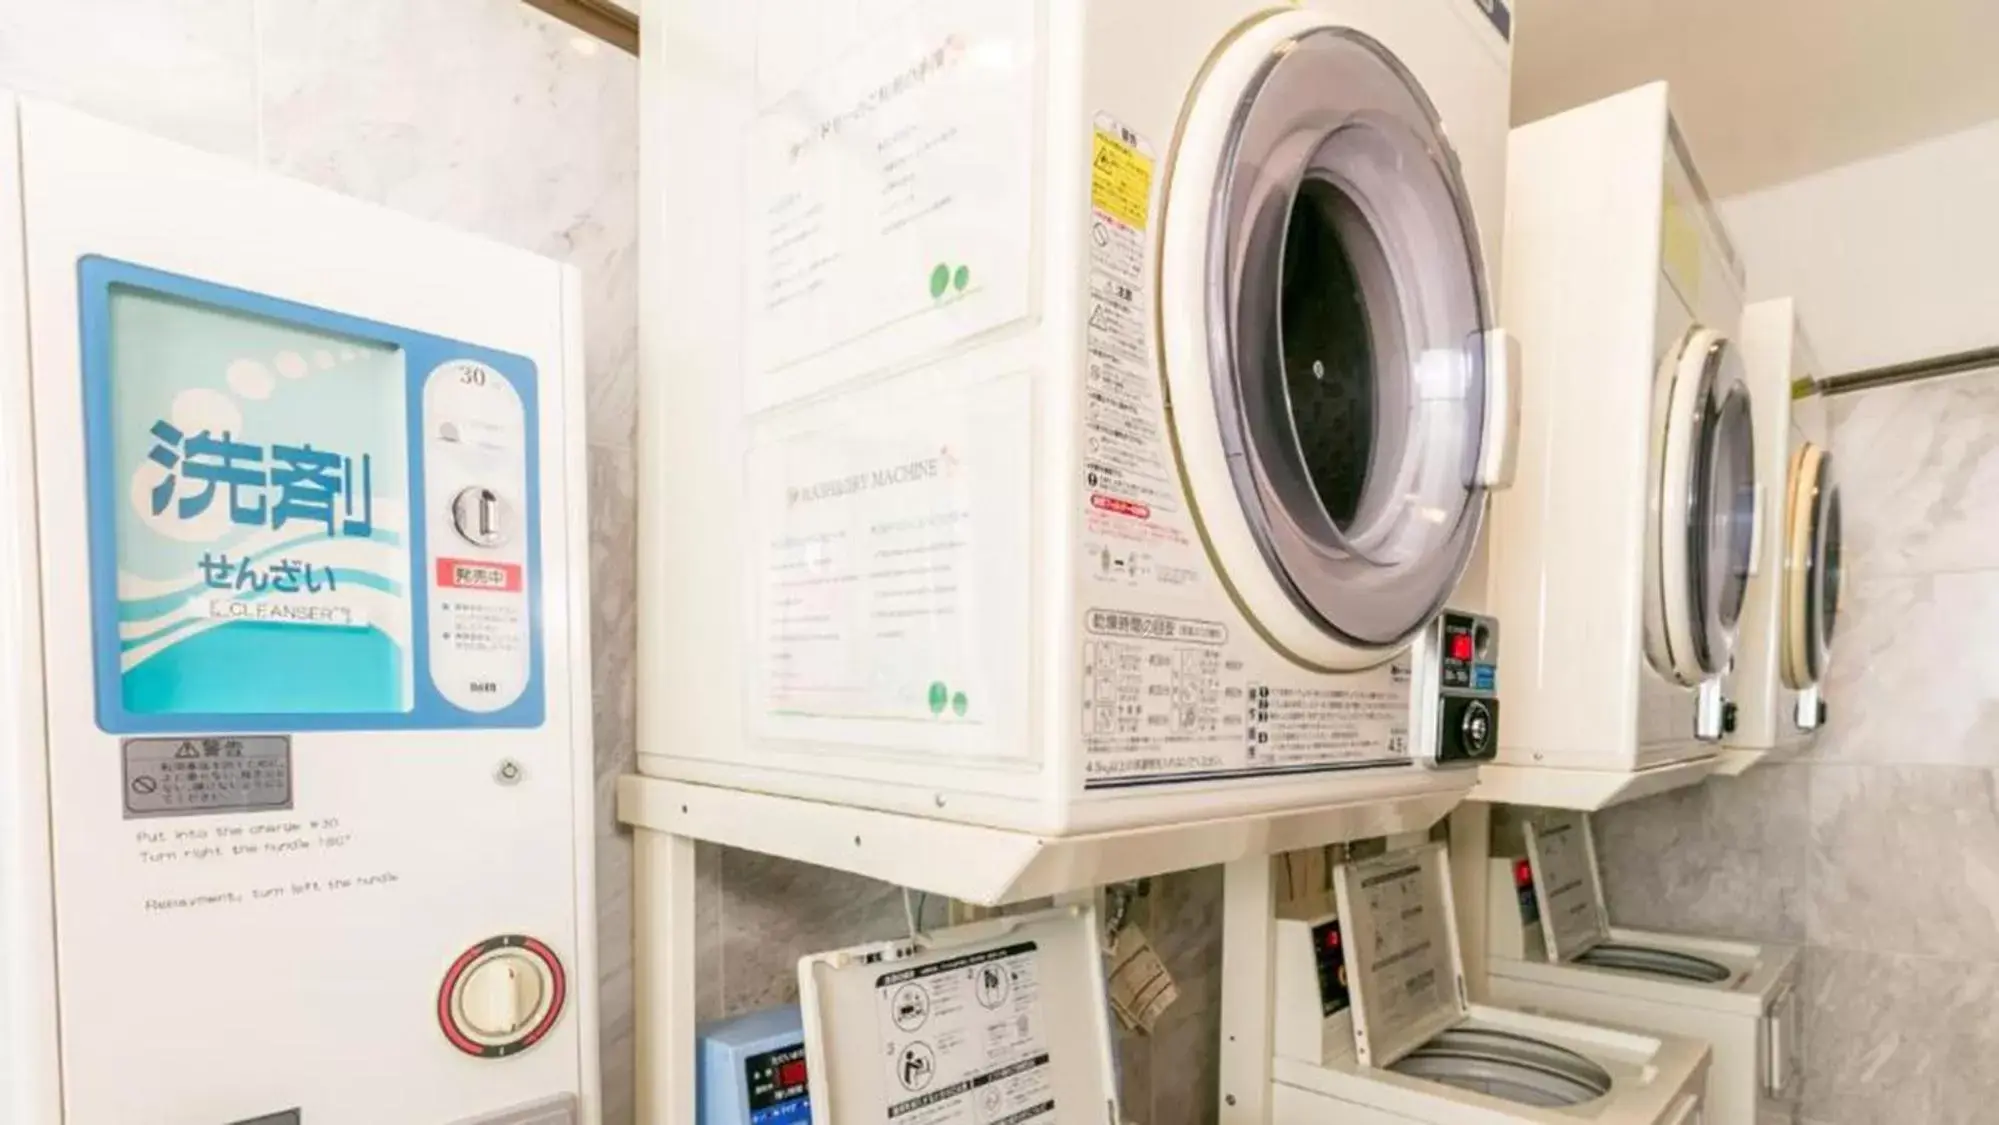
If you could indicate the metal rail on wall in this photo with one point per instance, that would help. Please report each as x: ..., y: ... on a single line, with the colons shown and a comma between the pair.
x: 1934, y: 367
x: 607, y: 21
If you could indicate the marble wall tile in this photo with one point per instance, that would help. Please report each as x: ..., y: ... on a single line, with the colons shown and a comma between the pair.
x: 492, y: 117
x: 181, y: 69
x: 1898, y: 1040
x: 1726, y: 858
x: 775, y: 911
x: 1186, y: 930
x: 1905, y: 859
x: 613, y: 576
x: 1918, y: 468
x: 1911, y: 677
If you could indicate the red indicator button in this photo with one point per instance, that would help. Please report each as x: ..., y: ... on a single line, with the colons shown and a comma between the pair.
x: 1461, y: 646
x: 1523, y: 873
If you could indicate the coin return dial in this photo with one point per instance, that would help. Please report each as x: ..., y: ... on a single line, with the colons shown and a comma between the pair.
x: 482, y: 517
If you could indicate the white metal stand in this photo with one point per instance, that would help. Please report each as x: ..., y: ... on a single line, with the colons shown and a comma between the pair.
x: 987, y: 866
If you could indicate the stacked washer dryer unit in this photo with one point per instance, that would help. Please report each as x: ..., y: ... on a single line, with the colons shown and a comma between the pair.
x: 1373, y: 1023
x: 1554, y: 950
x: 1089, y: 409
x: 1622, y: 557
x: 1793, y: 603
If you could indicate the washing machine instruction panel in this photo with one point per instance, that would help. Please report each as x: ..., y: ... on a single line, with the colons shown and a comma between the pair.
x: 885, y: 570
x: 1571, y: 914
x: 1399, y: 947
x: 1166, y: 695
x: 964, y: 1041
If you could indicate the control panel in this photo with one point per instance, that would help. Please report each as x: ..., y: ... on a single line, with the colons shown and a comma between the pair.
x: 1329, y: 956
x: 753, y: 1070
x: 1465, y: 656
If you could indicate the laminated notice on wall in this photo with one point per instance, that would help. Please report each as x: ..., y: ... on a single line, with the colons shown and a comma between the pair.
x: 890, y: 185
x: 964, y: 1041
x: 887, y: 536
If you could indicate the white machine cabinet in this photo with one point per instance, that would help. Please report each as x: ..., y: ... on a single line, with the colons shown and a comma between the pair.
x: 295, y: 795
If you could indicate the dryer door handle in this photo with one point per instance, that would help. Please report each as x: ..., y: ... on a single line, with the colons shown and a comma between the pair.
x: 1499, y: 439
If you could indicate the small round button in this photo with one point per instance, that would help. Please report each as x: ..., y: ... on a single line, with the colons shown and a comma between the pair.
x: 482, y: 517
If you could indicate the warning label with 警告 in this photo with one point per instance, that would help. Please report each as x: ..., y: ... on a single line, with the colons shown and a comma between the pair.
x: 207, y: 776
x: 964, y: 1041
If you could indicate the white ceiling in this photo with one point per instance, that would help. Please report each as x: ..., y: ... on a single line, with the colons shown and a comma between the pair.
x: 1769, y: 90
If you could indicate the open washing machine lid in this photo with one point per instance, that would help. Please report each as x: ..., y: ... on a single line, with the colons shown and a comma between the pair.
x: 1812, y: 568
x: 1575, y: 925
x: 1405, y: 974
x: 1340, y: 399
x: 1704, y: 506
x: 1562, y: 853
x: 1003, y: 1020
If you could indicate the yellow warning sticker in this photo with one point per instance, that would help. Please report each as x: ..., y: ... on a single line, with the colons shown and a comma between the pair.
x: 1680, y: 245
x: 1120, y: 175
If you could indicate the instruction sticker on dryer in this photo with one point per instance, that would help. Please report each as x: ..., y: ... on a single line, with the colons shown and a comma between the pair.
x: 889, y: 191
x: 1135, y: 532
x: 965, y: 1041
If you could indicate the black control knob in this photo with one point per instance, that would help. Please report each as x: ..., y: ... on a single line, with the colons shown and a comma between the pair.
x: 1728, y: 718
x: 1475, y: 727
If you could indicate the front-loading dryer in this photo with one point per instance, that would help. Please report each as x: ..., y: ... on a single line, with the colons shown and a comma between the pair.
x: 1792, y: 606
x: 1061, y: 416
x: 1373, y: 1024
x: 1621, y: 559
x: 1553, y: 950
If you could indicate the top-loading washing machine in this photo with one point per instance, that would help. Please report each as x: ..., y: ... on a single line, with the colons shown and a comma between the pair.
x: 1373, y: 1024
x: 1792, y: 605
x: 1087, y: 411
x: 1621, y: 559
x: 1553, y: 949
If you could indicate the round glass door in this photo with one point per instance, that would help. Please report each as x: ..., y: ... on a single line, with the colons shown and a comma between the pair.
x: 1329, y: 386
x: 1705, y: 505
x: 1812, y: 571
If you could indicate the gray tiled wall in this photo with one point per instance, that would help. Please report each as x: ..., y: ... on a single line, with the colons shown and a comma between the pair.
x: 1878, y: 848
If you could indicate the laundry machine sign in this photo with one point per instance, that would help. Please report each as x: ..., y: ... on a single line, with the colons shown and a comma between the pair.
x: 253, y: 466
x: 885, y: 565
x: 891, y: 187
x: 1569, y: 897
x: 1403, y: 963
x: 965, y: 1040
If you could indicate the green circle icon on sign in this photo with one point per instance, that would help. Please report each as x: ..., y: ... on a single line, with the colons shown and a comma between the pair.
x: 962, y: 278
x: 958, y: 704
x: 939, y: 696
x: 940, y: 279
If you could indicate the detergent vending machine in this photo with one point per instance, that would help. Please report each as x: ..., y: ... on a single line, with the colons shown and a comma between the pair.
x: 296, y: 787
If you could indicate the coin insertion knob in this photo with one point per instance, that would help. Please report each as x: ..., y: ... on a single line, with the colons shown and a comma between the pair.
x: 482, y: 517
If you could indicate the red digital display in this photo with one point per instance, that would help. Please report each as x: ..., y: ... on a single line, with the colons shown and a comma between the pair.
x: 791, y: 1073
x: 1461, y: 646
x: 1333, y: 940
x: 1523, y: 873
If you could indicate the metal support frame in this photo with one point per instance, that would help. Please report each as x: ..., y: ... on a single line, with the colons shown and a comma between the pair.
x: 987, y: 866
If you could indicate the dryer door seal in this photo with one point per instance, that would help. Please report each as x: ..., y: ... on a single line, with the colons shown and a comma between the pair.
x: 1329, y: 384
x: 1812, y: 569
x: 1704, y: 503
